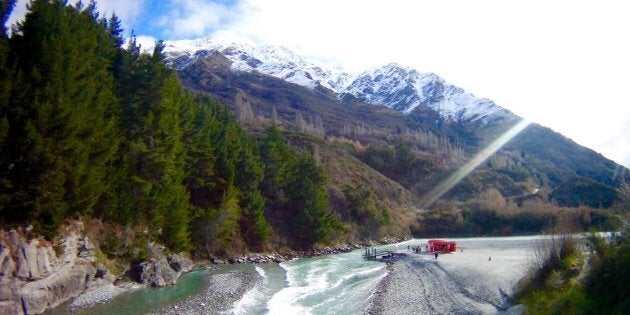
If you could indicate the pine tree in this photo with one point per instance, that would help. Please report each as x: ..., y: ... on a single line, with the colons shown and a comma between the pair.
x: 63, y: 117
x: 7, y: 76
x: 114, y: 26
x: 248, y: 179
x: 149, y: 172
x: 312, y: 220
x: 6, y: 71
x: 200, y: 127
x: 276, y: 156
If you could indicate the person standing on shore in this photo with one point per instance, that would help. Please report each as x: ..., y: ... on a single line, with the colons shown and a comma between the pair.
x: 436, y: 255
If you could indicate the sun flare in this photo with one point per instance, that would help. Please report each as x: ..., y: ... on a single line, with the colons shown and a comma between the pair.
x: 446, y: 185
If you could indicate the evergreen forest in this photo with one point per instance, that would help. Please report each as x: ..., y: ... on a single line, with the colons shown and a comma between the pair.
x: 90, y: 127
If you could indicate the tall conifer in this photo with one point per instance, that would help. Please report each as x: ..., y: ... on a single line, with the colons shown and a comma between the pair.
x: 63, y: 124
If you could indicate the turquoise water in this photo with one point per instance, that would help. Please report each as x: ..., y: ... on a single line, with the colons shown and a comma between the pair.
x: 334, y: 284
x: 144, y: 300
x: 147, y: 300
x: 338, y: 284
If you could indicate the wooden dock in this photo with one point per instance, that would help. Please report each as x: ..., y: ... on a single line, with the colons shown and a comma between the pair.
x: 374, y: 254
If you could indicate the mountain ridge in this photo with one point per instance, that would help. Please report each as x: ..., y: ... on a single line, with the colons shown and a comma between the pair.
x: 400, y: 88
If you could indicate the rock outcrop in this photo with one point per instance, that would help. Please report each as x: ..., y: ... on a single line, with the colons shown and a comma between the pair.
x: 160, y: 270
x: 33, y: 278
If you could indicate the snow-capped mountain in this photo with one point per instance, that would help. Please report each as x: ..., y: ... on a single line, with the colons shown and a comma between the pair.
x: 275, y: 61
x: 394, y: 86
x: 404, y: 89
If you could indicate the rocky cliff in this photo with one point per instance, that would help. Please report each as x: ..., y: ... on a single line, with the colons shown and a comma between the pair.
x: 34, y: 278
x: 36, y: 274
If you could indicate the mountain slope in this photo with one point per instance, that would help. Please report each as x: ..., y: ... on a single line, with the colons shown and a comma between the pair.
x: 423, y: 107
x: 214, y: 74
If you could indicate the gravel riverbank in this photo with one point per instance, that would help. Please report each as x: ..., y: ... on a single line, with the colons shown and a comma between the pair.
x: 95, y: 296
x: 477, y: 281
x: 223, y: 291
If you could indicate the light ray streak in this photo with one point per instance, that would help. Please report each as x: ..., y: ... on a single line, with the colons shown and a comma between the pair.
x: 619, y: 172
x: 446, y: 185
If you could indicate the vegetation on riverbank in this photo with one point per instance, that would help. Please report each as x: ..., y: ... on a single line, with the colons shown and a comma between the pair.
x: 566, y: 280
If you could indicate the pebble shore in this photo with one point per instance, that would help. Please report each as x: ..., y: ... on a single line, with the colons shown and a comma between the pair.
x: 95, y: 296
x: 223, y: 291
x: 376, y: 304
x: 458, y: 283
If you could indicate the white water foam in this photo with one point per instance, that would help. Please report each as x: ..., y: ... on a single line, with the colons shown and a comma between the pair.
x: 249, y: 300
x: 261, y: 272
x: 287, y: 300
x: 349, y: 292
x: 358, y: 274
x: 252, y: 297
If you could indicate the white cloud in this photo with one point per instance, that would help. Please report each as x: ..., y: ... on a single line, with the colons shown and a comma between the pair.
x: 147, y: 43
x: 127, y: 10
x: 194, y: 18
x: 18, y: 13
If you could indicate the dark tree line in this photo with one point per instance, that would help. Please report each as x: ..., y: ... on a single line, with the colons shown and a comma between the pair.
x: 90, y: 128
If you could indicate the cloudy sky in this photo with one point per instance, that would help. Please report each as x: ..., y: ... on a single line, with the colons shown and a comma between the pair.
x: 564, y: 64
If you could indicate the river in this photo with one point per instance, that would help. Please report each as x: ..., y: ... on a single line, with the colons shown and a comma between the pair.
x: 486, y: 270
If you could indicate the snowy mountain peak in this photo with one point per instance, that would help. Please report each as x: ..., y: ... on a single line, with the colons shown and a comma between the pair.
x: 276, y: 61
x: 404, y: 89
x: 392, y: 85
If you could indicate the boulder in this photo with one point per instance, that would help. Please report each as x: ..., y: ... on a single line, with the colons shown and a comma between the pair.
x: 160, y: 271
x: 86, y: 249
x: 155, y: 272
x: 179, y: 263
